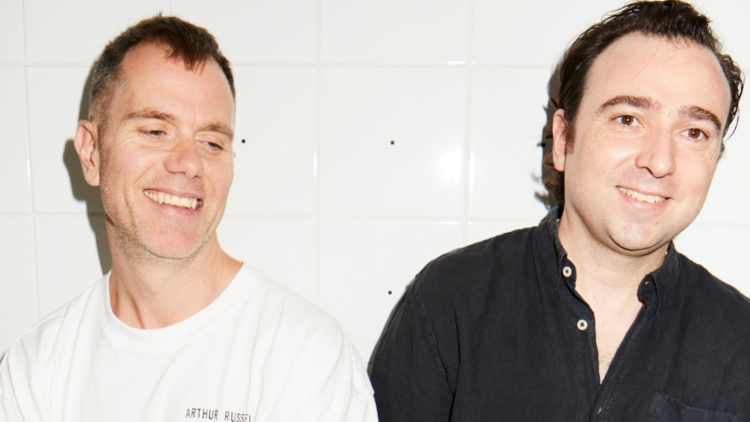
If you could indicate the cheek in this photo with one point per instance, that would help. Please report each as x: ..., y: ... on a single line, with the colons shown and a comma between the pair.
x: 222, y: 174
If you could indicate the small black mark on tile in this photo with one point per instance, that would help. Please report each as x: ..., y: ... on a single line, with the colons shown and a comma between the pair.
x: 389, y: 292
x: 243, y: 141
x: 393, y: 142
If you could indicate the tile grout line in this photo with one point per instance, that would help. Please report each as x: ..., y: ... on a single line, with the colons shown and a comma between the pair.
x: 467, y: 142
x: 317, y: 153
x: 28, y: 165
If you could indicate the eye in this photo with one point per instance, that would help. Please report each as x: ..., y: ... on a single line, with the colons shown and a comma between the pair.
x: 153, y: 133
x: 212, y: 144
x: 695, y: 134
x: 627, y: 120
x: 215, y: 146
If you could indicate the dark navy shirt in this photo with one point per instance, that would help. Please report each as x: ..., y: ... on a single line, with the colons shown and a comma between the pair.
x: 496, y: 332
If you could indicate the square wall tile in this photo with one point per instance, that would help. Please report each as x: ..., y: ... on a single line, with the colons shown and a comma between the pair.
x: 72, y: 254
x: 19, y: 308
x: 482, y: 230
x: 393, y: 141
x: 11, y: 32
x: 507, y: 128
x: 283, y: 31
x: 393, y: 31
x: 275, y: 141
x: 531, y: 33
x: 57, y: 101
x: 14, y: 161
x: 721, y: 248
x: 365, y: 266
x: 76, y: 31
x: 283, y: 249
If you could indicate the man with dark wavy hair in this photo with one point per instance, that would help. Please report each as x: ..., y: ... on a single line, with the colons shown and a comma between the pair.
x: 593, y: 315
x: 178, y: 329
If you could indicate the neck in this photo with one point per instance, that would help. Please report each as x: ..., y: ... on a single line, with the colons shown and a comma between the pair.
x: 602, y: 273
x: 153, y: 292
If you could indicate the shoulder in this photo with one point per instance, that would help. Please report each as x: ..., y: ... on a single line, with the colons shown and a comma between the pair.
x: 307, y: 347
x: 477, y: 263
x: 284, y: 309
x: 39, y: 341
x: 719, y: 299
x: 30, y: 361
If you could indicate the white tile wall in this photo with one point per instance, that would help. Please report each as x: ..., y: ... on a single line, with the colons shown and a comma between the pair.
x: 75, y: 32
x: 393, y: 141
x: 531, y: 33
x: 55, y: 97
x: 283, y: 249
x: 19, y: 299
x: 507, y: 117
x: 277, y: 118
x: 366, y: 264
x: 14, y: 160
x: 395, y: 31
x: 322, y: 200
x: 11, y: 32
x: 67, y: 255
x: 279, y: 31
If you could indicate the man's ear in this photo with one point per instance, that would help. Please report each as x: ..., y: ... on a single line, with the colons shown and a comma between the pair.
x: 87, y: 146
x: 559, y: 140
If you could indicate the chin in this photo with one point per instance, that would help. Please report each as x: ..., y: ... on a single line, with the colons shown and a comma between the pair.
x: 176, y: 249
x: 638, y: 244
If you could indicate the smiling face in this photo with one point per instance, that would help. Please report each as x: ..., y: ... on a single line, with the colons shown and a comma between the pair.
x: 647, y: 140
x: 166, y: 161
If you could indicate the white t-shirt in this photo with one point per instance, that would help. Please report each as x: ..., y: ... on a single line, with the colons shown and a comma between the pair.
x: 259, y: 352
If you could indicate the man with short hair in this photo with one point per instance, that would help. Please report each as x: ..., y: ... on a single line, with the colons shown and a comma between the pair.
x: 593, y: 315
x: 178, y: 329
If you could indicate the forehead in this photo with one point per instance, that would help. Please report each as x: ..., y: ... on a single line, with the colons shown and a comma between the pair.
x: 673, y: 73
x: 153, y: 80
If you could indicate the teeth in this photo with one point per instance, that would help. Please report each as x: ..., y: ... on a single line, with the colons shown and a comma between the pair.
x: 651, y: 199
x: 165, y: 198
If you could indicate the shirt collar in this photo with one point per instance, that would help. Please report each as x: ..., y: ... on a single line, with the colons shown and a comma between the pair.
x: 555, y: 259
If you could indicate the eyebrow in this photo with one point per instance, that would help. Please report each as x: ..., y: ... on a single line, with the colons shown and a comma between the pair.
x: 149, y: 113
x: 695, y: 112
x: 160, y: 115
x: 640, y: 102
x: 690, y: 111
x: 220, y: 128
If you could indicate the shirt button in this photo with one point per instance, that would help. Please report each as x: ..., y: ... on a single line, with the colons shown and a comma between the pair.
x: 582, y: 324
x: 567, y: 271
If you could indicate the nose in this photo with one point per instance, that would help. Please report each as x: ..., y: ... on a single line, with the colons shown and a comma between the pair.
x: 185, y: 158
x: 657, y: 155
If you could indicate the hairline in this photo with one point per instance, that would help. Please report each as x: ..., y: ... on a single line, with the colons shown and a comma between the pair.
x: 115, y: 85
x: 569, y: 130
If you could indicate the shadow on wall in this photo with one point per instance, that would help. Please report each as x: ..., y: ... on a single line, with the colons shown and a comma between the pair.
x: 553, y: 88
x: 82, y: 191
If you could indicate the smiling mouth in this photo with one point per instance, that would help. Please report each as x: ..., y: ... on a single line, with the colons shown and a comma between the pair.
x: 651, y: 199
x: 174, y: 200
